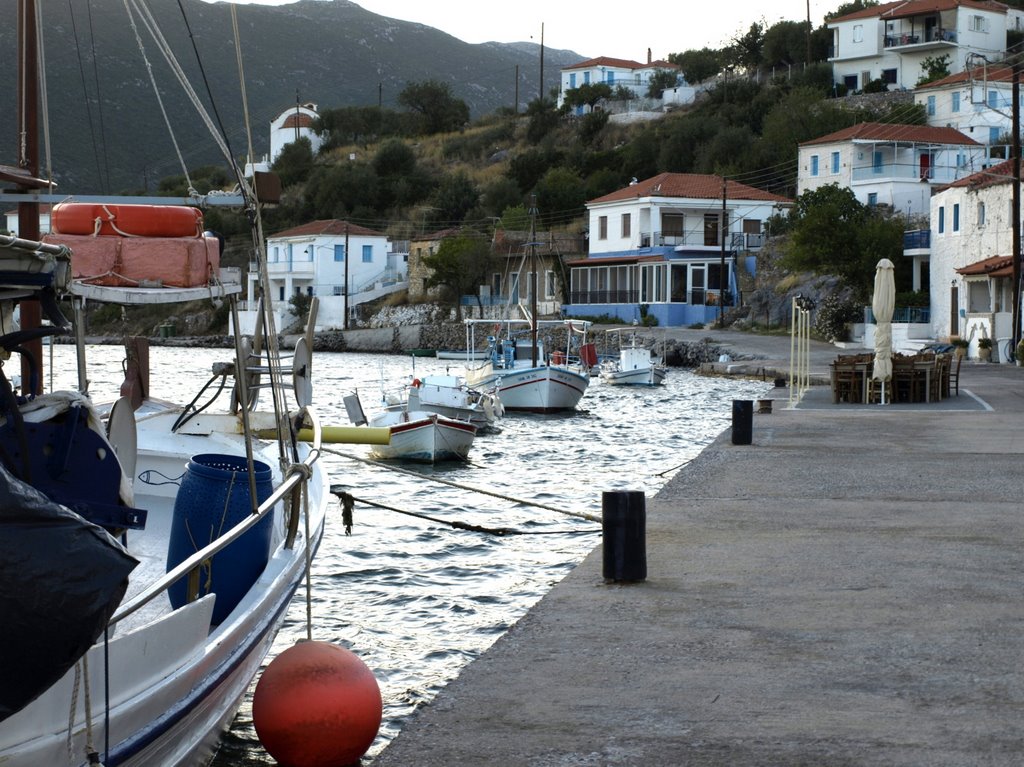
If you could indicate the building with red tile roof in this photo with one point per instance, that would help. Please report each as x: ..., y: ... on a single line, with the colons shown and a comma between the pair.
x: 886, y: 164
x: 977, y: 102
x: 891, y: 41
x: 631, y: 76
x: 668, y: 246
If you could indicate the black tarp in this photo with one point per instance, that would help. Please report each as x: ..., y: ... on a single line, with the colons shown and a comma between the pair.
x: 61, y: 579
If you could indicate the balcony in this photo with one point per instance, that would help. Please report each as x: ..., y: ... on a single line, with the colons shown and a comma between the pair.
x: 917, y: 239
x: 920, y: 38
x: 906, y: 171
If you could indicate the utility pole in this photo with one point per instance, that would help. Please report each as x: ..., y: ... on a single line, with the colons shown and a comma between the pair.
x: 807, y: 63
x: 721, y: 269
x: 1015, y: 333
x: 516, y: 110
x: 28, y: 161
x: 532, y: 280
x: 298, y: 114
x: 540, y: 94
x: 347, y: 254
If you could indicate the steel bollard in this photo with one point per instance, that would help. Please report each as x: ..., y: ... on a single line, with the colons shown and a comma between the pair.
x: 742, y: 421
x: 623, y: 532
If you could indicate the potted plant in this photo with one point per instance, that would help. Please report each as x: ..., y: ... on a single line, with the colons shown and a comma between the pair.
x: 959, y: 346
x: 984, y: 349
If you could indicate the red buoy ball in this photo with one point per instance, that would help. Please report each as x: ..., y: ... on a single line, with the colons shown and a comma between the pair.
x: 317, y: 705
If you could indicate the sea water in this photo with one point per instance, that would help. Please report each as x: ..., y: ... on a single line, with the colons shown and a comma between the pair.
x: 413, y: 597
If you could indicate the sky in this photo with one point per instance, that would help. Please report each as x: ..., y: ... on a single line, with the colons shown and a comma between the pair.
x: 664, y: 26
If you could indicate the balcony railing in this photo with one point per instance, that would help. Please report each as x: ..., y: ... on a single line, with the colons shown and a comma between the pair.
x: 697, y: 240
x: 917, y: 239
x: 930, y: 36
x: 695, y: 297
x: 906, y: 170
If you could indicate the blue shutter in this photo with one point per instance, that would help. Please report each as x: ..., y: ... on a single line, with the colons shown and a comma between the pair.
x: 942, y: 219
x: 835, y: 162
x: 367, y: 254
x: 814, y: 165
x: 956, y: 102
x: 956, y: 217
x: 339, y: 252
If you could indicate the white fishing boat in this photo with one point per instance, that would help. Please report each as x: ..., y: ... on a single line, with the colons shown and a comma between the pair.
x: 635, y: 364
x: 451, y: 397
x: 528, y: 377
x: 150, y: 550
x: 423, y: 437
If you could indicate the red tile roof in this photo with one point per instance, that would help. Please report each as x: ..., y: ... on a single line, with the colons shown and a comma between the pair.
x: 993, y: 266
x: 906, y: 8
x: 607, y: 61
x: 997, y: 174
x: 920, y: 134
x: 302, y: 120
x: 692, y: 186
x: 330, y: 226
x: 996, y: 73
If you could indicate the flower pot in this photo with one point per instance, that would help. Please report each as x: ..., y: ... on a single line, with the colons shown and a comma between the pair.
x: 985, y: 354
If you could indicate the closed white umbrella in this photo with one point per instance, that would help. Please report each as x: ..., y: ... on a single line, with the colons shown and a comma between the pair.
x: 882, y: 304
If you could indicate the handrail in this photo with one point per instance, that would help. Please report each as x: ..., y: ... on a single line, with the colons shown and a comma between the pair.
x: 296, y: 474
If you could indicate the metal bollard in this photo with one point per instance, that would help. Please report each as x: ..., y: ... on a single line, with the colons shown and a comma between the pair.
x: 742, y: 421
x: 623, y: 532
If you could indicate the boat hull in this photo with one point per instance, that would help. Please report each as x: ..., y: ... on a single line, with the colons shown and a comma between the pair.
x: 541, y: 389
x: 175, y: 680
x: 652, y: 376
x: 426, y: 438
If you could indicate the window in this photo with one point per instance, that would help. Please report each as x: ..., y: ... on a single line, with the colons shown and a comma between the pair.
x: 610, y: 77
x: 814, y: 165
x: 572, y: 80
x: 339, y: 252
x: 956, y: 101
x: 835, y: 162
x: 550, y: 290
x: 977, y: 24
x: 602, y: 228
x: 993, y: 135
x: 858, y: 33
x: 942, y: 219
x: 876, y: 162
x: 586, y: 78
x: 336, y: 290
x: 889, y: 76
x: 872, y: 199
x: 625, y: 224
x: 956, y: 217
x: 672, y: 227
x: 981, y: 214
x: 275, y: 255
x: 992, y: 98
x: 711, y: 229
x: 931, y: 106
x: 367, y: 254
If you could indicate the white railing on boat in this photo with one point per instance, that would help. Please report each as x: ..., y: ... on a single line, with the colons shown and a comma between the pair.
x: 297, y: 474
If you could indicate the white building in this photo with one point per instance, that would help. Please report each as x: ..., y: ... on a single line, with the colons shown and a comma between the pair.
x: 977, y: 102
x: 631, y: 75
x: 289, y: 126
x: 886, y: 164
x: 971, y: 258
x: 891, y: 41
x: 320, y: 259
x: 658, y: 247
x: 11, y: 217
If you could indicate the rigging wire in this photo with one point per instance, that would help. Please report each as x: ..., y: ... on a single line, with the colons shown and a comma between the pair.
x: 85, y: 94
x: 105, y: 179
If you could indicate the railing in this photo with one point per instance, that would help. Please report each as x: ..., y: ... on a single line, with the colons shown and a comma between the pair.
x: 914, y: 315
x: 917, y: 239
x: 905, y: 170
x: 746, y: 241
x: 695, y: 297
x: 931, y: 36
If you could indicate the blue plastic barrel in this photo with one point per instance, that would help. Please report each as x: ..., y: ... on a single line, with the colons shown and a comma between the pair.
x: 214, y: 497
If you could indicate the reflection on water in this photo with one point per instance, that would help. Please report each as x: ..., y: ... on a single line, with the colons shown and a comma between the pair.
x: 417, y: 599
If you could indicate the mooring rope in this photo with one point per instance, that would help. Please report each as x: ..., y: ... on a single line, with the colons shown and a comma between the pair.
x: 347, y: 500
x: 502, y: 496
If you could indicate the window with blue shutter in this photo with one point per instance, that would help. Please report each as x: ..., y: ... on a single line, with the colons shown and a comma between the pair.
x: 942, y: 219
x: 339, y: 252
x: 956, y: 217
x: 956, y: 102
x: 814, y: 165
x: 931, y: 106
x: 367, y: 254
x: 835, y: 162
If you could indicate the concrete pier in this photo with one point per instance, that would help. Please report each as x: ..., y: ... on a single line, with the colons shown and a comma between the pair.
x: 846, y: 590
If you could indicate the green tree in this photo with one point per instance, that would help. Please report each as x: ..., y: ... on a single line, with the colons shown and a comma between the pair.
x: 295, y: 162
x: 933, y: 68
x: 543, y: 119
x: 660, y: 81
x: 438, y: 109
x: 515, y: 218
x: 851, y: 7
x: 460, y: 265
x: 745, y: 51
x: 591, y: 125
x: 785, y: 43
x: 587, y: 94
x: 499, y: 195
x: 394, y: 158
x: 831, y: 232
x: 561, y: 194
x: 698, y: 65
x: 454, y: 197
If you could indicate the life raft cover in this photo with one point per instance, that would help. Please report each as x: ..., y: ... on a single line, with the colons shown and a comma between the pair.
x: 62, y: 579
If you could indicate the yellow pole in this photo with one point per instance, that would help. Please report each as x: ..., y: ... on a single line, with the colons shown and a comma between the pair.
x: 349, y: 435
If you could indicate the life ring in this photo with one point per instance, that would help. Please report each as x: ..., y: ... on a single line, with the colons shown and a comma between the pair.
x: 126, y: 220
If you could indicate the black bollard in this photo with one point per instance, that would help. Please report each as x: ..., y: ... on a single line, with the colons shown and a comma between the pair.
x: 623, y: 531
x: 742, y: 421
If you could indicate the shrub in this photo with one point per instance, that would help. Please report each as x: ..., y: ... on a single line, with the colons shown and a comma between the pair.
x: 833, y: 315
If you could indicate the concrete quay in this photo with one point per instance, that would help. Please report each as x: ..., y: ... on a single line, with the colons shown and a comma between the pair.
x: 847, y: 590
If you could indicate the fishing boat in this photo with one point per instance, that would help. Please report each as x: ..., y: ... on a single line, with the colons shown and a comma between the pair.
x: 451, y: 397
x: 151, y: 548
x: 413, y: 435
x: 634, y: 365
x: 423, y: 437
x: 529, y: 378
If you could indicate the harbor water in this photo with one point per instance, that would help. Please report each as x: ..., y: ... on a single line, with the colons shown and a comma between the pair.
x: 413, y: 597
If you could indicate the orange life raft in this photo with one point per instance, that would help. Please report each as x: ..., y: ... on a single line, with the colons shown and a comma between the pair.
x: 126, y: 220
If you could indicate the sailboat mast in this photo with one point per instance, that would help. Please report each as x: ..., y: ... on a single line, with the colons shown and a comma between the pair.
x: 28, y: 161
x: 533, y: 279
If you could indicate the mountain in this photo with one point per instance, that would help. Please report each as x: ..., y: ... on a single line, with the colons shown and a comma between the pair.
x: 107, y: 126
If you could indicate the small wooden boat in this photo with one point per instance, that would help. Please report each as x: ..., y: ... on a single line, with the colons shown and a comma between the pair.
x: 423, y: 437
x: 634, y: 366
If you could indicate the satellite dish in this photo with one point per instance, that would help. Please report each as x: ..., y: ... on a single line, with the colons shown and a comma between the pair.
x: 302, y: 373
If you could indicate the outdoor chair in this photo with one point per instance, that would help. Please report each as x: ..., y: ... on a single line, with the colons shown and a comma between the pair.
x: 846, y: 383
x: 953, y: 380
